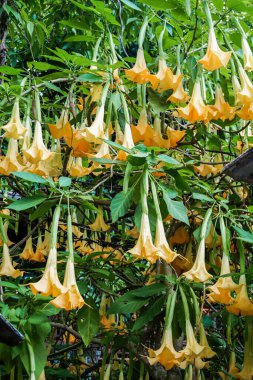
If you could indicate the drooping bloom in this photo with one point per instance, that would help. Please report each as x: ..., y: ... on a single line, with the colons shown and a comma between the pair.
x: 166, y: 355
x: 7, y: 268
x: 241, y: 305
x: 14, y: 129
x: 127, y: 142
x: 38, y: 151
x: 144, y: 248
x: 205, y: 169
x: 166, y: 79
x: 96, y: 132
x: 232, y: 370
x: 222, y: 109
x: 70, y: 298
x: 196, y: 110
x: 215, y: 57
x: 143, y: 131
x: 49, y: 284
x: 75, y: 167
x: 40, y: 251
x: 28, y: 252
x: 99, y: 224
x: 173, y: 138
x: 179, y: 95
x: 10, y: 162
x: 236, y: 88
x: 224, y: 286
x: 28, y: 134
x: 247, y: 55
x: 62, y: 127
x: 139, y: 72
x: 198, y: 272
x: 246, y: 112
x: 247, y: 368
x: 245, y: 96
x: 165, y: 252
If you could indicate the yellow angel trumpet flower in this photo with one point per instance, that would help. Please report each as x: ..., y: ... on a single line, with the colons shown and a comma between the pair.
x: 14, y: 129
x: 232, y: 370
x: 139, y: 72
x: 99, y: 224
x: 215, y: 57
x: 28, y: 252
x: 7, y: 268
x: 40, y: 251
x: 165, y: 252
x: 179, y: 95
x: 166, y: 79
x: 196, y: 110
x: 96, y: 132
x: 241, y: 304
x: 38, y: 151
x: 62, y: 127
x: 166, y: 355
x: 10, y: 162
x: 222, y: 109
x: 75, y: 167
x: 28, y: 134
x: 198, y: 272
x: 71, y: 298
x: 246, y: 372
x: 247, y: 55
x: 224, y: 286
x: 127, y: 143
x: 245, y: 96
x: 144, y: 248
x: 50, y: 284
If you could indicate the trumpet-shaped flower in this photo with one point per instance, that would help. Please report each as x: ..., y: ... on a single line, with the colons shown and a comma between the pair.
x: 247, y: 55
x: 28, y: 134
x: 7, y: 268
x: 173, y: 137
x: 166, y: 355
x: 62, y: 127
x: 166, y: 79
x: 28, y: 252
x: 215, y: 57
x: 232, y: 370
x: 75, y: 167
x: 222, y: 109
x: 196, y: 110
x: 241, y: 305
x: 224, y: 286
x: 70, y: 298
x: 179, y: 95
x: 49, y: 284
x: 38, y: 152
x: 247, y: 369
x: 14, y: 129
x: 205, y: 169
x: 245, y: 96
x: 246, y: 112
x: 144, y: 248
x: 236, y: 88
x: 40, y: 251
x: 99, y: 224
x: 198, y: 272
x: 96, y: 132
x: 10, y: 162
x: 139, y: 73
x: 127, y: 142
x: 165, y: 252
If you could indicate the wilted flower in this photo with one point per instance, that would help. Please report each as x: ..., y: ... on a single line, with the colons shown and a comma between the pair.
x: 144, y: 248
x: 38, y: 152
x: 7, y: 268
x: 14, y: 129
x: 198, y: 272
x: 215, y: 57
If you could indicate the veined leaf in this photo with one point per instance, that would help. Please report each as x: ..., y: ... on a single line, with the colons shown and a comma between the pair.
x: 152, y: 310
x: 176, y: 209
x: 121, y: 203
x: 26, y: 203
x: 88, y: 321
x: 30, y: 177
x: 130, y: 4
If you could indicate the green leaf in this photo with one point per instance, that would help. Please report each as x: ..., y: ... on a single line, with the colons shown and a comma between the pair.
x: 130, y: 4
x: 89, y: 77
x: 10, y: 70
x: 126, y: 307
x: 43, y: 66
x: 244, y: 235
x: 202, y: 197
x: 152, y: 310
x: 64, y: 181
x: 117, y: 146
x: 137, y: 159
x: 168, y: 159
x: 52, y: 86
x: 176, y: 209
x: 121, y: 203
x: 161, y: 4
x: 80, y: 38
x: 30, y: 177
x: 88, y: 321
x: 26, y: 203
x: 43, y: 209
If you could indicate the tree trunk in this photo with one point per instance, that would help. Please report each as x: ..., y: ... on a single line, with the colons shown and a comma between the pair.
x: 3, y: 32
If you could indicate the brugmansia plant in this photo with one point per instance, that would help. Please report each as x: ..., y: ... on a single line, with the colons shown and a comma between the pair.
x: 126, y: 251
